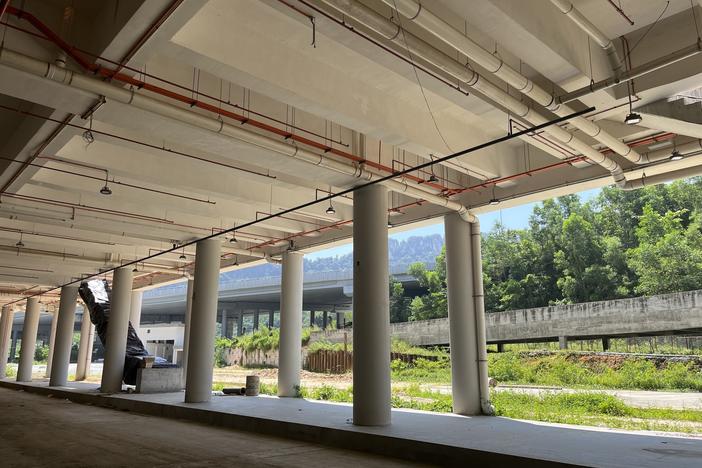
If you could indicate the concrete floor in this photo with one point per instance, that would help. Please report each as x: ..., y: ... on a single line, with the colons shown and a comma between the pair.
x: 36, y: 431
x: 416, y: 435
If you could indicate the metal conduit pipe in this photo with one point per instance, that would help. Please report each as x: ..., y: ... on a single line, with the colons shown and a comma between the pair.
x: 593, y: 31
x: 130, y: 97
x: 425, y: 51
x: 423, y: 17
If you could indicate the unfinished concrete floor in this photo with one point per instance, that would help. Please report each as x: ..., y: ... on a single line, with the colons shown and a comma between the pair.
x: 38, y: 431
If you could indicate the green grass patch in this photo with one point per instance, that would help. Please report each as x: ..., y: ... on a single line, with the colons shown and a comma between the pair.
x: 594, y: 409
x: 558, y: 370
x: 422, y: 370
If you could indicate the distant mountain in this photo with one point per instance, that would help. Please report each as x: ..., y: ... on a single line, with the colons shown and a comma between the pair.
x: 400, y: 252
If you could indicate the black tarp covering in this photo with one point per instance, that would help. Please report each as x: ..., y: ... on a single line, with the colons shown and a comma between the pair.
x: 96, y: 295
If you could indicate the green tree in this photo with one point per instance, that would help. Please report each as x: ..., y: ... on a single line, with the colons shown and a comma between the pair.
x: 433, y: 304
x: 399, y: 303
x: 669, y: 255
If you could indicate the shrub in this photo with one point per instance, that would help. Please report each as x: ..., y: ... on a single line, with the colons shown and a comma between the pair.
x: 222, y: 344
x: 41, y: 353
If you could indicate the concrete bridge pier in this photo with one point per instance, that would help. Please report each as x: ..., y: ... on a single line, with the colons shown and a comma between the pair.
x: 563, y: 342
x: 605, y: 344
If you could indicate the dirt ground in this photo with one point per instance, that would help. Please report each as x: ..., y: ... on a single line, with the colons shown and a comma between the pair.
x: 237, y: 375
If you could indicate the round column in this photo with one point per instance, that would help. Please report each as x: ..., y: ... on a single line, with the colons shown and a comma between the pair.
x: 117, y: 328
x: 371, y: 308
x: 465, y: 378
x: 135, y: 310
x: 203, y: 322
x: 29, y: 340
x: 186, y: 330
x: 85, y: 334
x: 52, y: 342
x: 64, y: 336
x: 8, y: 315
x: 290, y: 349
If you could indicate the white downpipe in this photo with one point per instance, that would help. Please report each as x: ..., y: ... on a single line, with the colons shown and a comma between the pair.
x: 593, y: 31
x: 479, y: 304
x: 130, y: 97
x: 420, y: 15
x: 419, y: 48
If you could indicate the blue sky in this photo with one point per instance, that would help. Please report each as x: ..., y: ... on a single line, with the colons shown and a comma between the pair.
x: 513, y: 218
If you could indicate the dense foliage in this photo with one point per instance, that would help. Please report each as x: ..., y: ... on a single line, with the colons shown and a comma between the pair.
x: 619, y: 244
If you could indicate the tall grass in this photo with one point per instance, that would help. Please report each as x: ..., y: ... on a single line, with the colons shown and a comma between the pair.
x: 558, y: 370
x: 562, y: 371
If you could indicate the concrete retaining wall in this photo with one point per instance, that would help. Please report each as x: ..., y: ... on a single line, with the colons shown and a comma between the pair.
x: 678, y: 313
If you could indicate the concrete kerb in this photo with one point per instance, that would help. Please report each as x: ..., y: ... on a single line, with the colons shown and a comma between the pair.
x: 407, y: 449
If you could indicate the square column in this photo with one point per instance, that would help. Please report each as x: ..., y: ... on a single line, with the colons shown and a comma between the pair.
x: 371, y: 308
x: 465, y: 380
x: 290, y: 349
x: 85, y: 347
x: 63, y: 340
x: 8, y: 316
x: 311, y: 318
x: 203, y: 322
x: 240, y: 323
x: 52, y: 340
x: 117, y: 329
x: 271, y: 318
x: 29, y: 340
x: 224, y: 323
x: 255, y: 319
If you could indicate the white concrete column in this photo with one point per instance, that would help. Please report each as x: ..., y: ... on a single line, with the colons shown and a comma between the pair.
x: 465, y: 378
x: 63, y: 340
x: 135, y: 310
x: 117, y: 328
x: 82, y: 365
x: 186, y: 329
x: 29, y: 340
x: 52, y: 341
x: 371, y: 308
x: 8, y: 315
x: 203, y: 322
x: 290, y: 349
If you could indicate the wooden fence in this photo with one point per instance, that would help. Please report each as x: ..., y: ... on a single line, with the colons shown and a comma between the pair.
x: 340, y: 362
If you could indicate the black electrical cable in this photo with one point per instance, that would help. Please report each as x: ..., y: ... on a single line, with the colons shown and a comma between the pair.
x: 329, y: 197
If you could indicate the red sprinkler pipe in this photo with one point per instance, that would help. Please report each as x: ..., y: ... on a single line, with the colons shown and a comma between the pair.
x: 139, y: 84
